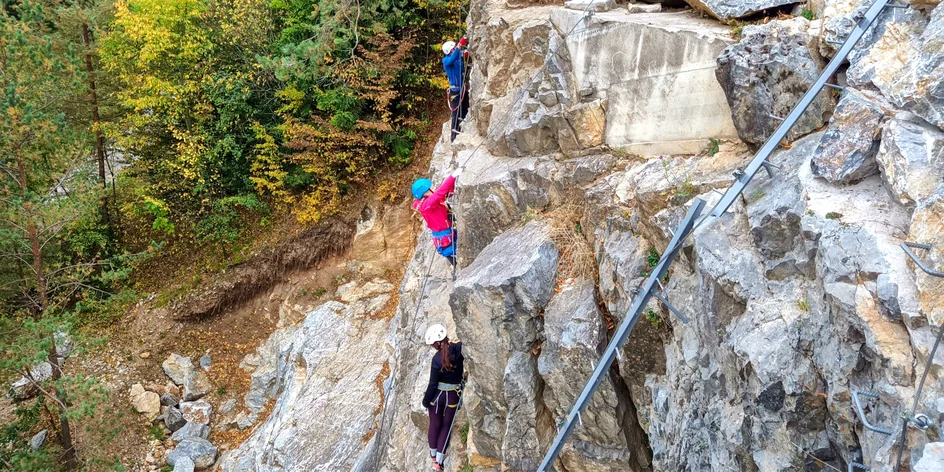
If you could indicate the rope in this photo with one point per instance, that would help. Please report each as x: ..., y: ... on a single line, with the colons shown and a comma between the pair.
x: 396, y: 367
x: 914, y: 407
x: 453, y: 422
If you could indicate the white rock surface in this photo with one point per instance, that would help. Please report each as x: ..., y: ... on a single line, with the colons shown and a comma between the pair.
x: 327, y: 409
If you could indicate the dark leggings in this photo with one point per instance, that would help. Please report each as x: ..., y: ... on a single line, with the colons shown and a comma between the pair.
x: 440, y: 419
x: 459, y: 104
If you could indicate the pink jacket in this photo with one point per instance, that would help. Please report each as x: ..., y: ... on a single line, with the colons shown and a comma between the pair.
x: 433, y: 208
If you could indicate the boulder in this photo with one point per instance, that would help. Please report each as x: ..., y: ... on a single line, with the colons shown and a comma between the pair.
x: 199, y: 451
x: 144, y: 402
x: 591, y: 5
x: 726, y: 10
x: 497, y: 302
x: 168, y: 399
x: 184, y: 464
x: 191, y: 430
x: 174, y: 419
x: 206, y: 362
x: 767, y: 73
x: 23, y: 389
x: 198, y: 411
x: 644, y: 7
x: 932, y: 459
x: 196, y: 385
x: 847, y: 151
x: 39, y: 439
x: 911, y: 158
x: 177, y: 368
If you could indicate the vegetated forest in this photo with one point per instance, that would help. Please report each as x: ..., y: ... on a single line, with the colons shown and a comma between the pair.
x: 140, y: 134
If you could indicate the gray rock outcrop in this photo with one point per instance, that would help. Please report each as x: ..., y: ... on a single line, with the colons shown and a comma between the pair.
x: 798, y: 295
x: 911, y: 158
x: 765, y: 75
x: 497, y: 301
x: 726, y: 10
x: 325, y: 391
x: 847, y: 152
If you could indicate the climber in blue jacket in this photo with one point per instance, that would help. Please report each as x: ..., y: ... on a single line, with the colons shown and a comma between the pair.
x: 454, y: 65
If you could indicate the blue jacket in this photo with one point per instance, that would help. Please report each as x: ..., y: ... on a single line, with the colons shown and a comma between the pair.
x: 453, y: 66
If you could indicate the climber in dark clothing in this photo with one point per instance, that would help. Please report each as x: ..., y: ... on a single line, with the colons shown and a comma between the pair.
x: 454, y: 66
x: 442, y: 394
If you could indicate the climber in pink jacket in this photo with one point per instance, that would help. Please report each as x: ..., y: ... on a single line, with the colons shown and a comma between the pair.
x: 432, y: 205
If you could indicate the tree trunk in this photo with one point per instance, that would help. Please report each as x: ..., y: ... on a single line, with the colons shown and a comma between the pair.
x: 65, y: 432
x: 96, y: 118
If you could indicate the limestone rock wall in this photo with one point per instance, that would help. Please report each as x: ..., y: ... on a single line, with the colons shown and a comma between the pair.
x: 796, y: 297
x: 574, y: 181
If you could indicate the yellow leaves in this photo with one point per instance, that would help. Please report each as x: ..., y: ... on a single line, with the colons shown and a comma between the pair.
x: 266, y: 170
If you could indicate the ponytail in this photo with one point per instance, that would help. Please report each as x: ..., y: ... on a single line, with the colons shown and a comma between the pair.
x: 444, y: 351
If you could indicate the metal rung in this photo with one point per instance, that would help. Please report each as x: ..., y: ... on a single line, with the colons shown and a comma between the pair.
x: 769, y: 167
x: 918, y: 262
x: 858, y: 407
x: 856, y: 465
x: 775, y: 117
x: 834, y: 43
x: 671, y: 308
x: 580, y: 418
x: 837, y: 87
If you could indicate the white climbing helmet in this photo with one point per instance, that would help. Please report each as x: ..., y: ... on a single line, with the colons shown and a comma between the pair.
x: 448, y: 46
x: 436, y: 332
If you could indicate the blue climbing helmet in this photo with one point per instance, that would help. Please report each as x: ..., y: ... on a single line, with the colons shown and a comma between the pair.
x: 420, y: 187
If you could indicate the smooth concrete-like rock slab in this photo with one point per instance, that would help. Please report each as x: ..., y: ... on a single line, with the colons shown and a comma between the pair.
x: 847, y: 151
x: 661, y: 94
x: 765, y: 75
x: 911, y: 158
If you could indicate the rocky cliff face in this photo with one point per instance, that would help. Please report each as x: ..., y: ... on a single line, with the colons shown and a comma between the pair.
x: 796, y: 297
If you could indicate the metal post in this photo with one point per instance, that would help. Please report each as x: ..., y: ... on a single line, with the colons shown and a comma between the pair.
x: 635, y: 312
